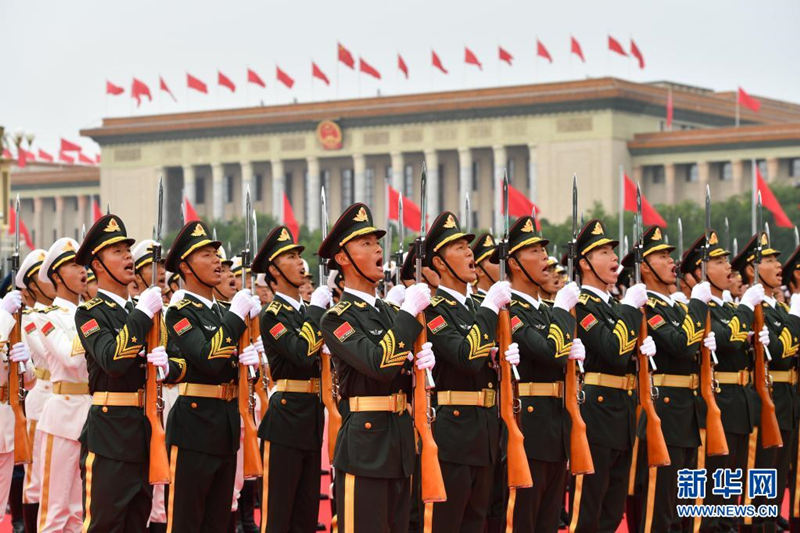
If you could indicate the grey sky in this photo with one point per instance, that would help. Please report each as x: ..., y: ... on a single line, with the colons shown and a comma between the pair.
x: 57, y: 55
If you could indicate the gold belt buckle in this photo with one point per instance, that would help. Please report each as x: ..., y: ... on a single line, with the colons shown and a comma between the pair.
x: 488, y: 397
x: 399, y: 403
x: 229, y: 390
x: 630, y: 384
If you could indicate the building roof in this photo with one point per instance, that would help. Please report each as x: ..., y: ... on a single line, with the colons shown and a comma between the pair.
x: 762, y: 135
x: 48, y: 175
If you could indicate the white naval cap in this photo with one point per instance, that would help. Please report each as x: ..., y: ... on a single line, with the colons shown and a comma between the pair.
x: 30, y: 266
x: 142, y: 253
x: 59, y: 253
x: 261, y: 280
x: 306, y: 270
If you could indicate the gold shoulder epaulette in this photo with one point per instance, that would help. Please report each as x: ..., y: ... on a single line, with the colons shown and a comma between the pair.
x: 92, y: 303
x: 584, y: 297
x: 28, y: 310
x: 436, y: 300
x: 51, y: 308
x: 274, y: 307
x: 183, y: 303
x: 340, y: 307
x: 652, y: 302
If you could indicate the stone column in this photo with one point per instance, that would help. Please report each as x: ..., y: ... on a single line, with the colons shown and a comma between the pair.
x: 532, y: 173
x: 38, y: 221
x: 278, y: 182
x: 464, y: 182
x: 434, y: 202
x: 703, y: 171
x: 312, y: 193
x: 397, y: 171
x: 499, y: 158
x: 360, y: 180
x: 669, y: 183
x: 217, y: 191
x: 247, y: 182
x: 773, y: 164
x: 82, y: 201
x: 737, y: 176
x: 189, y: 187
x: 59, y: 218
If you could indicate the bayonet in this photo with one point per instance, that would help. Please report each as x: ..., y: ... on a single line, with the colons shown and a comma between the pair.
x: 419, y: 248
x: 638, y: 248
x: 766, y: 230
x: 735, y: 247
x: 757, y: 261
x: 83, y: 232
x: 572, y: 251
x: 467, y: 212
x: 502, y: 248
x: 108, y: 208
x: 157, y: 233
x: 706, y: 249
x: 727, y: 233
x: 248, y: 208
x: 680, y: 254
x: 214, y: 233
x: 323, y: 263
x: 256, y: 243
x: 796, y: 237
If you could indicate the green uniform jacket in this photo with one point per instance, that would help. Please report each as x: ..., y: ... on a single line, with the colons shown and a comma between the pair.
x: 462, y: 339
x: 207, y: 339
x: 370, y: 348
x: 292, y: 341
x: 112, y: 339
x: 783, y: 344
x: 609, y: 332
x: 544, y: 336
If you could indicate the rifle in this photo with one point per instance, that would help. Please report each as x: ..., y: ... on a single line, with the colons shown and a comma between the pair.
x: 580, y: 456
x: 23, y: 451
x: 770, y: 431
x: 154, y: 401
x: 329, y: 389
x: 401, y: 237
x: 432, y: 482
x: 716, y: 443
x: 657, y: 453
x: 252, y: 458
x: 519, y: 473
x: 680, y: 255
x: 261, y: 386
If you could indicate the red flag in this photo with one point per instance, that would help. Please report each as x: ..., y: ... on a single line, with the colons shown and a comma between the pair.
x: 139, y: 89
x: 635, y: 52
x: 402, y: 65
x: 196, y: 84
x: 504, y: 55
x: 366, y: 68
x: 44, y: 156
x: 614, y: 46
x: 669, y: 109
x: 22, y: 157
x: 412, y: 215
x: 23, y: 229
x: 163, y: 86
x: 520, y: 206
x: 225, y: 81
x: 64, y: 158
x: 437, y: 62
x: 575, y: 48
x: 283, y: 77
x: 317, y: 73
x: 748, y: 101
x: 650, y: 216
x: 113, y: 89
x: 345, y: 56
x: 288, y: 218
x: 189, y: 214
x: 67, y: 146
x: 253, y: 77
x: 85, y: 159
x: 97, y: 213
x: 97, y: 159
x: 7, y: 154
x: 471, y: 59
x: 770, y: 202
x: 541, y: 51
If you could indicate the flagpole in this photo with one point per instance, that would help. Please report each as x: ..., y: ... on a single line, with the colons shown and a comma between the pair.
x: 737, y: 111
x: 754, y: 195
x: 621, y: 202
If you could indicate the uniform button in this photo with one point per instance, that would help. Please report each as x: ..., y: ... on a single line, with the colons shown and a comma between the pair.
x: 600, y: 399
x: 530, y: 408
x: 630, y: 393
x: 105, y: 409
x: 456, y: 413
x: 695, y: 392
x: 368, y: 425
x: 283, y: 402
x: 490, y: 385
x: 666, y: 399
x: 66, y: 397
x: 194, y: 405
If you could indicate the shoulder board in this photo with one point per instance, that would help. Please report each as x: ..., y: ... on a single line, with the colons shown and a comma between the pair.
x: 393, y: 306
x: 360, y: 305
x: 92, y: 303
x: 436, y: 300
x: 51, y: 308
x: 549, y: 303
x: 585, y: 297
x: 274, y: 307
x: 29, y: 310
x: 340, y: 308
x: 186, y: 301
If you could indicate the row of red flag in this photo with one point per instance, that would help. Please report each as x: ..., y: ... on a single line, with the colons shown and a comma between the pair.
x: 69, y: 152
x: 140, y: 89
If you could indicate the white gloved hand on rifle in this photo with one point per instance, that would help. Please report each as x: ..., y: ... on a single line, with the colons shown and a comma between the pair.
x: 19, y: 353
x: 702, y: 292
x: 242, y: 303
x: 418, y: 298
x: 635, y: 296
x: 321, y: 297
x: 249, y: 356
x: 567, y: 296
x: 577, y: 351
x: 648, y: 346
x: 763, y: 336
x: 512, y: 354
x: 158, y: 358
x: 753, y: 296
x: 11, y: 302
x: 396, y: 295
x: 150, y: 301
x: 425, y: 359
x: 710, y: 342
x: 498, y: 295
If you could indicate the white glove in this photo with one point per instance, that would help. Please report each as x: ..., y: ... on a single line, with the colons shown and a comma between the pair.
x: 242, y: 303
x: 418, y: 297
x: 249, y: 356
x: 498, y: 295
x: 256, y: 309
x: 727, y: 297
x: 425, y: 358
x: 702, y: 292
x: 150, y: 301
x: 397, y: 295
x: 177, y: 296
x: 11, y: 302
x: 321, y: 297
x: 158, y: 358
x: 763, y: 336
x: 512, y: 354
x: 679, y: 297
x: 794, y: 305
x: 325, y: 349
x: 753, y: 296
x: 635, y: 296
x: 710, y: 342
x: 19, y: 353
x: 648, y: 346
x: 259, y: 345
x: 567, y: 296
x: 578, y: 350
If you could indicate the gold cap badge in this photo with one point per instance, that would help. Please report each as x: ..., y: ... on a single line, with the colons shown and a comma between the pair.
x: 199, y: 231
x: 361, y: 216
x: 112, y: 226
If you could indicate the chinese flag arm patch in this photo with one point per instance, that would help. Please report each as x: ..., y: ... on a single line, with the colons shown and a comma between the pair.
x: 516, y: 323
x: 30, y: 327
x: 182, y: 326
x: 437, y: 324
x: 277, y: 331
x: 588, y: 322
x: 90, y: 327
x: 344, y: 331
x: 47, y: 328
x: 656, y: 321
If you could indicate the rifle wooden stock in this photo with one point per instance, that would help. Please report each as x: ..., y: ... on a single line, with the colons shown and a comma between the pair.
x: 716, y: 443
x: 334, y: 417
x: 253, y: 466
x: 769, y: 429
x: 519, y: 473
x: 657, y: 453
x: 23, y: 453
x: 433, y: 489
x: 159, y: 462
x: 258, y: 386
x: 580, y: 455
